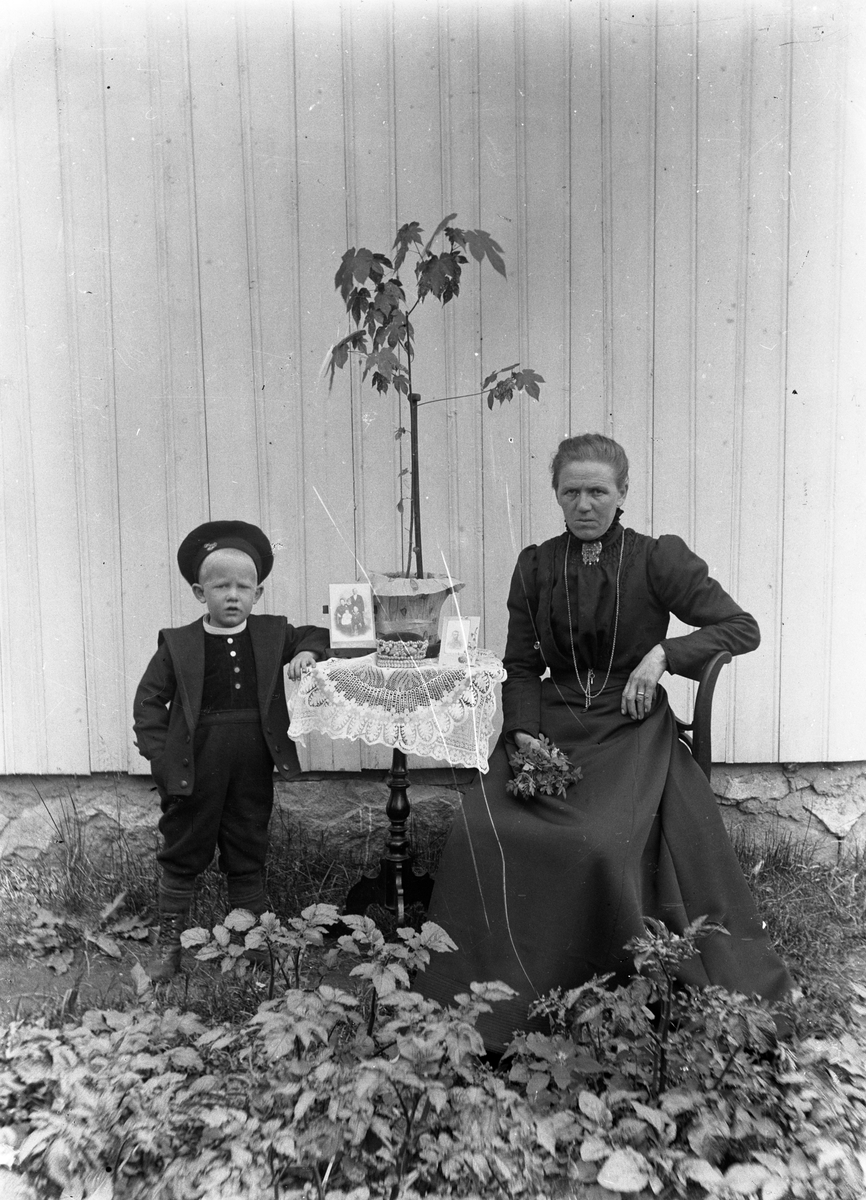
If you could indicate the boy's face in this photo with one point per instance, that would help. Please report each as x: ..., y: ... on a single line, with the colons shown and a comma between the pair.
x: 228, y: 585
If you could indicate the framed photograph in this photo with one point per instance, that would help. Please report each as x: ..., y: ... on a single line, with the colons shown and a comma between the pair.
x: 459, y: 646
x: 350, y: 612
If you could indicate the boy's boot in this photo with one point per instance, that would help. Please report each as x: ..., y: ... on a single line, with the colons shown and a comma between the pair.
x: 248, y: 892
x: 175, y: 898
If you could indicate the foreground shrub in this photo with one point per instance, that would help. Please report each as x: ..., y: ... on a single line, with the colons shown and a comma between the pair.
x: 676, y: 1091
x: 638, y: 1091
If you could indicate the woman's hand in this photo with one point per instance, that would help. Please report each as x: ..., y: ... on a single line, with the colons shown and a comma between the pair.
x: 525, y: 741
x: 300, y: 663
x: 640, y: 691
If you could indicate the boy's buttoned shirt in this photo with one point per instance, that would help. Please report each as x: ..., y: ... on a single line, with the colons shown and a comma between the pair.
x: 175, y: 677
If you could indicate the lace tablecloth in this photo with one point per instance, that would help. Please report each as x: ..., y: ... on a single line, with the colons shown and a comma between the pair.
x: 439, y: 712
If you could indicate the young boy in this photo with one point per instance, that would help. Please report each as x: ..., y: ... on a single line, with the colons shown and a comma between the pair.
x: 210, y: 715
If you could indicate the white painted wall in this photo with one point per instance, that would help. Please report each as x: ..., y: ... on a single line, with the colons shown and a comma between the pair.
x: 679, y: 191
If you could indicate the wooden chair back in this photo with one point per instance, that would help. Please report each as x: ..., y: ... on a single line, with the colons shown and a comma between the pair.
x: 698, y: 734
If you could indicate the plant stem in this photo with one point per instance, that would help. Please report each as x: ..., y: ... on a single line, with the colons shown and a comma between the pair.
x: 415, y: 498
x: 371, y: 1021
x: 317, y: 1180
x: 442, y: 399
x: 408, y: 1136
x: 725, y: 1068
x: 659, y: 1079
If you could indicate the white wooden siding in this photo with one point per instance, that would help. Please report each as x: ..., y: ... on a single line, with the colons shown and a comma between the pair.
x: 679, y: 192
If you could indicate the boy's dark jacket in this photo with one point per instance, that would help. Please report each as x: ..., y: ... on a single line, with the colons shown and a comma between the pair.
x: 175, y: 677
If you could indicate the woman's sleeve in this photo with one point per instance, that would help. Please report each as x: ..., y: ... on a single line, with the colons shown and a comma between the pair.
x: 523, y: 660
x: 682, y: 582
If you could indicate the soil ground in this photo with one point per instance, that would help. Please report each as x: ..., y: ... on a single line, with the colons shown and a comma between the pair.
x: 29, y: 988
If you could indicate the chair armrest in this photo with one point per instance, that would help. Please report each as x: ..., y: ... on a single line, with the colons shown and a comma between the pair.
x: 702, y: 718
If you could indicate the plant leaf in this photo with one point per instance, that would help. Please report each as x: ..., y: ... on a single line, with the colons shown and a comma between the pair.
x: 702, y: 1172
x: 439, y: 274
x: 481, y: 245
x: 194, y: 937
x: 384, y: 363
x: 358, y: 303
x: 492, y: 990
x: 338, y: 355
x: 106, y: 944
x: 185, y: 1058
x: 745, y: 1178
x: 240, y: 919
x: 495, y: 374
x: 141, y: 979
x: 431, y: 937
x: 593, y: 1149
x: 407, y: 236
x: 625, y: 1171
x: 110, y: 909
x: 545, y: 1131
x: 775, y: 1188
x: 60, y: 961
x: 357, y: 266
x: 442, y: 225
x: 528, y: 381
x: 594, y: 1108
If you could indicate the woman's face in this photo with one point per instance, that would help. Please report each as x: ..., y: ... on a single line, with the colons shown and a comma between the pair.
x: 588, y: 495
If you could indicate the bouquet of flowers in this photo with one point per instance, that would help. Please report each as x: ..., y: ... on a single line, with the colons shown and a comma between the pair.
x: 541, y: 772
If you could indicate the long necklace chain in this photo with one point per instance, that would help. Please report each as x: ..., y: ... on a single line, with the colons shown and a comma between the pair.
x: 590, y: 674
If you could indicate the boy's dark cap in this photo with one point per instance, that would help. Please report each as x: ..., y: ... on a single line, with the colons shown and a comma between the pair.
x: 224, y: 535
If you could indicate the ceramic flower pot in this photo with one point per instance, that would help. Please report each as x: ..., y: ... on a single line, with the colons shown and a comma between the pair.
x: 407, y: 609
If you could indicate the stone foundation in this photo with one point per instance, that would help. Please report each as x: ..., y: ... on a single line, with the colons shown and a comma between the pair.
x: 43, y: 817
x: 823, y: 803
x: 113, y: 814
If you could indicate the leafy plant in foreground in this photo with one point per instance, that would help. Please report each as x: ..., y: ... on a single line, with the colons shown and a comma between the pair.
x: 679, y: 1091
x: 322, y: 1093
x: 308, y: 1096
x: 53, y: 938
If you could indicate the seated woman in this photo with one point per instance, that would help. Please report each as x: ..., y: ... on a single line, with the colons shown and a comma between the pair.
x: 546, y: 892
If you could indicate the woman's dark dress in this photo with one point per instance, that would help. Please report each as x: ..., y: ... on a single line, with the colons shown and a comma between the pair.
x: 545, y: 892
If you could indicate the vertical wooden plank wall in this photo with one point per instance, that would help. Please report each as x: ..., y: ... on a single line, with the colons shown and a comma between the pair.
x: 45, y: 700
x: 628, y: 58
x: 761, y: 318
x: 324, y: 460
x: 721, y: 86
x: 677, y: 191
x: 848, y: 611
x: 89, y: 292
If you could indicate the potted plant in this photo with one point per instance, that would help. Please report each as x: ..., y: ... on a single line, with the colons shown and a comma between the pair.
x: 380, y: 313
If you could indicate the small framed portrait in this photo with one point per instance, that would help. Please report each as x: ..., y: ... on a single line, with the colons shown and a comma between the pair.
x: 350, y: 611
x: 459, y: 646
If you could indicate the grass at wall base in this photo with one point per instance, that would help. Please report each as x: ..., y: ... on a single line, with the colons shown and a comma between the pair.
x: 289, y: 1084
x: 382, y: 336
